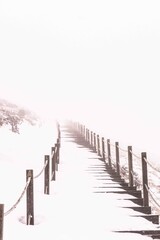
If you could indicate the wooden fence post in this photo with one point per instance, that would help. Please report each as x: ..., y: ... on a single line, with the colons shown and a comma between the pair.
x: 53, y: 168
x: 58, y: 147
x: 89, y: 136
x: 46, y: 174
x: 84, y: 130
x: 145, y: 179
x: 86, y: 137
x: 130, y: 166
x: 1, y: 220
x: 58, y: 129
x: 103, y: 149
x: 117, y: 158
x: 94, y: 140
x: 55, y: 157
x: 91, y: 139
x: 98, y: 146
x: 30, y: 198
x: 85, y: 133
x: 109, y: 152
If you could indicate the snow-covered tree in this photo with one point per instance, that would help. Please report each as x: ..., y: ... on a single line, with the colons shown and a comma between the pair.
x: 13, y: 115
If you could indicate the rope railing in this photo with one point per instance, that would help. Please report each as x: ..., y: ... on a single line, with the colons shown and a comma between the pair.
x: 153, y: 197
x: 120, y: 148
x: 40, y: 173
x: 122, y: 164
x: 154, y: 168
x: 19, y: 199
x: 28, y: 189
x: 135, y: 155
x: 157, y: 171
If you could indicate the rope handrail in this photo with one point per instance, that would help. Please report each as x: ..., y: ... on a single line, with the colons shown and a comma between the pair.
x: 136, y: 177
x: 135, y: 155
x: 19, y: 199
x: 153, y: 198
x: 122, y: 149
x: 157, y: 170
x: 154, y: 168
x: 41, y: 170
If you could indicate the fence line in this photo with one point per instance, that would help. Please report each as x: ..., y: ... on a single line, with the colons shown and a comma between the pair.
x: 28, y: 189
x: 19, y: 199
x: 124, y: 166
x: 110, y: 153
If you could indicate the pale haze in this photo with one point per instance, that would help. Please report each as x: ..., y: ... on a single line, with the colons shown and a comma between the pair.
x: 95, y: 61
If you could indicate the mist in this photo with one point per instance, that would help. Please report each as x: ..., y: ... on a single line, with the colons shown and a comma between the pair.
x: 92, y: 61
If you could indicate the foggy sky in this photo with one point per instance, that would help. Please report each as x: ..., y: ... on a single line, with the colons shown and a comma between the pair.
x: 91, y: 53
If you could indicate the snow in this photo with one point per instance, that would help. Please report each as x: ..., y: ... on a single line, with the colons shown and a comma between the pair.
x: 71, y: 210
x: 92, y: 61
x: 104, y: 53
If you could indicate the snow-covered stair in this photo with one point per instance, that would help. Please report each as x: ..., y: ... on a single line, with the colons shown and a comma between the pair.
x: 95, y: 203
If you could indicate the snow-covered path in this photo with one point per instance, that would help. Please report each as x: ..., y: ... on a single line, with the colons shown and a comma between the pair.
x: 72, y: 210
x: 83, y: 214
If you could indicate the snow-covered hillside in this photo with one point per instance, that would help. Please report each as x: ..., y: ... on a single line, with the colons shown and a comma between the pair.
x: 67, y: 213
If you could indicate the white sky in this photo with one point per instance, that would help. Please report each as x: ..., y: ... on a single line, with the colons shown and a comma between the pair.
x: 68, y: 51
x: 71, y: 211
x: 82, y: 56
